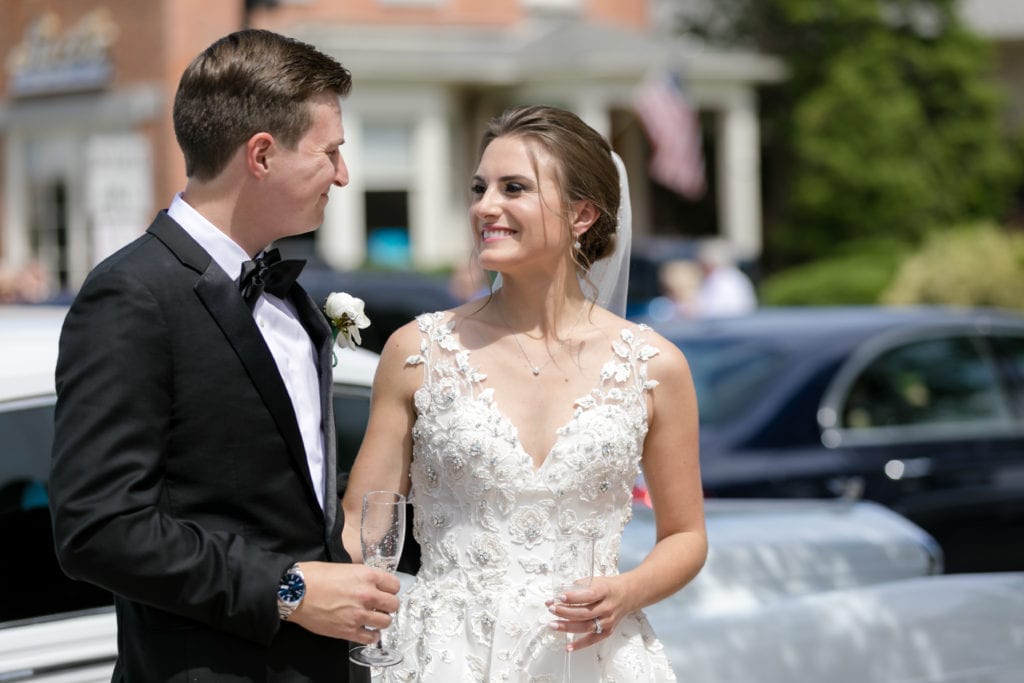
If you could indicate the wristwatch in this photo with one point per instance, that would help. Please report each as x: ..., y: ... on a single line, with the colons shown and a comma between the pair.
x: 290, y: 591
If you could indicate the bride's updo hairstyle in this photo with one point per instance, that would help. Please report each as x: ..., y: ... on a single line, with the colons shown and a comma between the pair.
x: 584, y: 168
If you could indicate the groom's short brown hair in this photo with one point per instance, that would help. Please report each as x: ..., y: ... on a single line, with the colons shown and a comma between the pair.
x: 248, y: 82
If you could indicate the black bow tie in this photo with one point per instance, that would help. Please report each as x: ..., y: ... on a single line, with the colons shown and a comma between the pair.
x: 268, y: 273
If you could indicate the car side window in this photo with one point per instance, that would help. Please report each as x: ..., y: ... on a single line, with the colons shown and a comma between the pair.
x: 1011, y: 354
x: 26, y: 439
x: 931, y: 381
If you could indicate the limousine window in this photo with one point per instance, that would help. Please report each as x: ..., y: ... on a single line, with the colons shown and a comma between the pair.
x: 26, y: 436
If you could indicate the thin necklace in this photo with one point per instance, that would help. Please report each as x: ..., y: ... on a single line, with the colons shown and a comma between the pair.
x: 534, y: 368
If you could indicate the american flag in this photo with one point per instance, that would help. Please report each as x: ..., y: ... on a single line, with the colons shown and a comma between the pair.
x: 673, y: 128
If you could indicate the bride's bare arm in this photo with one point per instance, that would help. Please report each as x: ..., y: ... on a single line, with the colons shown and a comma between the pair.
x: 672, y: 470
x: 671, y: 465
x: 386, y: 451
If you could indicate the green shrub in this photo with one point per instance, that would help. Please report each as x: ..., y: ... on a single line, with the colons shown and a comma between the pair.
x: 856, y: 274
x: 977, y: 265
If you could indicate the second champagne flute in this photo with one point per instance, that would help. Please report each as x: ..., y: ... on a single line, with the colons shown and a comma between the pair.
x: 573, y: 570
x: 381, y: 535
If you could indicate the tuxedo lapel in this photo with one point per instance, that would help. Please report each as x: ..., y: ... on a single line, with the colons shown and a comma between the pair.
x: 220, y: 295
x: 313, y: 319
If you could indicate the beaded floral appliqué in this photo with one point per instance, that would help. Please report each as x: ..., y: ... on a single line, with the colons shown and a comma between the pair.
x: 486, y: 519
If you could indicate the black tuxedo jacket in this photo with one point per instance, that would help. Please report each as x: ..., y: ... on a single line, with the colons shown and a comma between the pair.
x: 179, y: 477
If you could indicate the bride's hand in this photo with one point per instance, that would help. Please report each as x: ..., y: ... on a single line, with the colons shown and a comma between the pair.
x: 604, y: 603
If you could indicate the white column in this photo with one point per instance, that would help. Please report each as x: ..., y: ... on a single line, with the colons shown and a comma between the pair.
x: 81, y: 249
x: 739, y: 196
x: 15, y: 238
x: 595, y: 111
x: 341, y: 240
x: 434, y: 241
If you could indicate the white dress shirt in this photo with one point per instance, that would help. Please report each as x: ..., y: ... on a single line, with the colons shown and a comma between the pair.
x: 279, y: 324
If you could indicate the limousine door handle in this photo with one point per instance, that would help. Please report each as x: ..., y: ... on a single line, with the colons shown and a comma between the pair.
x: 910, y: 468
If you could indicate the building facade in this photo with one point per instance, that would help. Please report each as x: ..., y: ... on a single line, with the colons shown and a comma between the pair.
x: 1002, y: 23
x: 88, y: 151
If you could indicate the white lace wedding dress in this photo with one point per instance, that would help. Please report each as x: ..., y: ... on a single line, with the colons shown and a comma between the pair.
x: 486, y: 518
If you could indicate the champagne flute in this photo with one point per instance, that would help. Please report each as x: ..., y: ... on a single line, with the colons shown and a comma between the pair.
x: 572, y: 569
x: 381, y: 535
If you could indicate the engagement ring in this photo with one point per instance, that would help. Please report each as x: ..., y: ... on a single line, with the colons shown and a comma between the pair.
x: 597, y: 627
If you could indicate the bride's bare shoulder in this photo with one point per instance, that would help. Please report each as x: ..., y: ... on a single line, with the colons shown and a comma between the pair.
x: 670, y: 362
x: 404, y: 342
x: 668, y: 358
x: 407, y: 338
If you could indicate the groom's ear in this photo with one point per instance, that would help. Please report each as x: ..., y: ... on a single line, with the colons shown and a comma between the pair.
x: 583, y: 216
x: 258, y: 150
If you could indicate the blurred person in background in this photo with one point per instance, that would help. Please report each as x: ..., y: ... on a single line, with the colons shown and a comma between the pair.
x: 468, y: 280
x: 194, y: 457
x: 528, y: 414
x: 29, y: 284
x: 724, y: 289
x: 680, y: 281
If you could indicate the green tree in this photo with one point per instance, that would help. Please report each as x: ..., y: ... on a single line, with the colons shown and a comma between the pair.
x: 887, y: 126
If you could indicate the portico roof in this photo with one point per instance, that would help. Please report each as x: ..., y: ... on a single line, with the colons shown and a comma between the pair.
x: 998, y: 19
x: 534, y: 50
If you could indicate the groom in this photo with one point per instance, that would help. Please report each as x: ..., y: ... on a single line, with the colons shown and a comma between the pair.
x: 194, y: 459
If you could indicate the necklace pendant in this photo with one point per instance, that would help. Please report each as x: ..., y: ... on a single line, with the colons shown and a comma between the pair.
x: 535, y: 369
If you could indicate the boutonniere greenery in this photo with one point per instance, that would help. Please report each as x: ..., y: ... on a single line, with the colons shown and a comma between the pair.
x: 345, y: 313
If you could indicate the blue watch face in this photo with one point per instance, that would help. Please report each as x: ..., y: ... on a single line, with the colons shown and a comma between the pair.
x: 292, y: 588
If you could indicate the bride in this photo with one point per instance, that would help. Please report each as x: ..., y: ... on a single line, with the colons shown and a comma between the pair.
x: 516, y: 417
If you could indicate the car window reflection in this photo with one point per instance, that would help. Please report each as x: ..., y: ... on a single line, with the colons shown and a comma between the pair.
x: 933, y: 381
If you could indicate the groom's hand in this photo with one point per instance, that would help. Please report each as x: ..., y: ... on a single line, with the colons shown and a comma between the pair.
x: 342, y: 600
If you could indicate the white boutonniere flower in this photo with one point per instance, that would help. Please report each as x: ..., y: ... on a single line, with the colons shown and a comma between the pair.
x: 345, y: 313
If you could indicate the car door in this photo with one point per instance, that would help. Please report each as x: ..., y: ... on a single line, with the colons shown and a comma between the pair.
x: 1007, y: 469
x: 928, y: 418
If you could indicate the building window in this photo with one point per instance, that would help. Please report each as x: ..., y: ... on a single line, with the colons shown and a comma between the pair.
x: 388, y: 177
x: 387, y: 228
x: 49, y: 237
x: 389, y: 152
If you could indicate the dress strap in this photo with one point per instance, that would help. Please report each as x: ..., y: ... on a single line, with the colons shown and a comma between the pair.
x: 444, y: 360
x: 624, y: 377
x: 628, y: 366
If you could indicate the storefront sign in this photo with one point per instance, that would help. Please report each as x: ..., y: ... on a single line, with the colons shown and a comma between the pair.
x: 50, y: 60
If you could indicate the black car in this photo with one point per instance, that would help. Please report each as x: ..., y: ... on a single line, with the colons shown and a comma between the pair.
x: 392, y: 297
x: 921, y: 409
